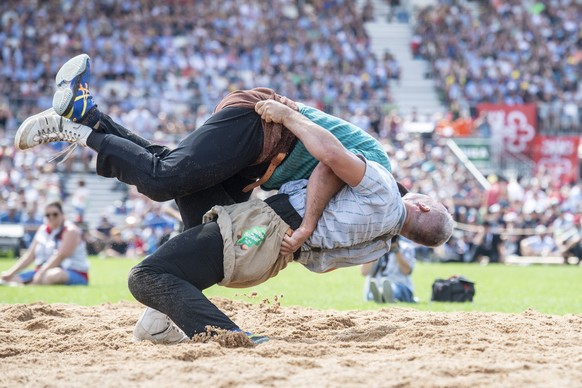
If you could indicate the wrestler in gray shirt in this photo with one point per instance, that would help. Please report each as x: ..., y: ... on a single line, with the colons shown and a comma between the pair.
x: 358, y: 223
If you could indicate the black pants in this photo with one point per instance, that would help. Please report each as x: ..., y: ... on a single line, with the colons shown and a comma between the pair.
x: 210, y: 166
x: 172, y: 279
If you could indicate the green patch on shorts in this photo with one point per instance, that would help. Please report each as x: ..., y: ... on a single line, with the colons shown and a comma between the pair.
x: 252, y: 237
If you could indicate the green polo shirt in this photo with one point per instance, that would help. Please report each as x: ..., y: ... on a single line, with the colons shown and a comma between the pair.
x: 299, y: 164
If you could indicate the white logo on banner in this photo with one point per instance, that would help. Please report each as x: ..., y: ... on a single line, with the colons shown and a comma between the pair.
x: 518, y: 132
x: 555, y: 166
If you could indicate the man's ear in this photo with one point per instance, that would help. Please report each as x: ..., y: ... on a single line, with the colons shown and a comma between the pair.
x: 423, y: 207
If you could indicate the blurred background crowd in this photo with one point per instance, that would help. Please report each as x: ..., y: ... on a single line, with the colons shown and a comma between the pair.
x: 511, y: 52
x: 160, y: 68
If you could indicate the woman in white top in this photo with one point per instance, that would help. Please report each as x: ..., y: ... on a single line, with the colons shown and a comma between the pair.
x: 58, y: 252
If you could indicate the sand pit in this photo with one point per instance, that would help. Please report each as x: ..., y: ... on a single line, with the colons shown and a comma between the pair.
x: 67, y: 345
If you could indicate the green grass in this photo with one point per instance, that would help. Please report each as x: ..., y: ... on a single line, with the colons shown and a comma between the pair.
x: 551, y: 289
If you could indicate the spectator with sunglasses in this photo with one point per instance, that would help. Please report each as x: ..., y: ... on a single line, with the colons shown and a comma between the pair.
x: 58, y: 252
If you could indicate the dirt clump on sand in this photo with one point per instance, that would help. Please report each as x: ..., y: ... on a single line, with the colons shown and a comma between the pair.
x: 67, y: 345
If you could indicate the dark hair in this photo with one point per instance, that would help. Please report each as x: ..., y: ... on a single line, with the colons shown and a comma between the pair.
x: 56, y: 204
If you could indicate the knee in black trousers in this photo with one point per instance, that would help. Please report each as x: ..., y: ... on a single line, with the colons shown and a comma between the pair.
x: 136, y: 282
x: 171, y: 280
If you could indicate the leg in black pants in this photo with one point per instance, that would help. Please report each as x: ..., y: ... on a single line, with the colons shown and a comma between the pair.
x: 172, y: 279
x: 203, y: 169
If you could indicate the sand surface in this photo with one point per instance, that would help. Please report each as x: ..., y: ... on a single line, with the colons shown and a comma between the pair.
x: 49, y: 345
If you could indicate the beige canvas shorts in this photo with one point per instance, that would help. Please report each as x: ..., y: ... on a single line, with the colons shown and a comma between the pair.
x: 252, y: 233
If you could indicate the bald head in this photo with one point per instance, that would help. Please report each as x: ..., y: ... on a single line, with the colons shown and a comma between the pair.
x: 427, y: 222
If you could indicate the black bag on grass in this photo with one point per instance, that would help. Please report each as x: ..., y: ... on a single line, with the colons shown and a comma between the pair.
x: 453, y: 289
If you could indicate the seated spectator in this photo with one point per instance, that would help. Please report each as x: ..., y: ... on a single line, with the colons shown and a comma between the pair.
x: 95, y: 241
x: 11, y: 215
x: 104, y: 226
x: 157, y: 226
x: 31, y: 221
x: 459, y: 248
x: 57, y: 251
x: 388, y: 279
x: 511, y: 237
x: 488, y: 244
x: 567, y: 237
x: 539, y: 244
x: 117, y: 246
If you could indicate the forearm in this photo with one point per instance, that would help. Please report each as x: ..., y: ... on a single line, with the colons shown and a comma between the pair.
x: 322, y: 186
x: 320, y: 143
x: 22, y: 263
x: 54, y: 261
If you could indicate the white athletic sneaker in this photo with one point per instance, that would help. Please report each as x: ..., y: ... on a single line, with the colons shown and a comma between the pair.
x: 387, y: 292
x: 376, y: 293
x: 157, y: 327
x: 48, y: 127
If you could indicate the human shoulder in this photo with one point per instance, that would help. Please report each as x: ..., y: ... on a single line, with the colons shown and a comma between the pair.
x: 42, y: 231
x: 377, y: 176
x: 71, y: 228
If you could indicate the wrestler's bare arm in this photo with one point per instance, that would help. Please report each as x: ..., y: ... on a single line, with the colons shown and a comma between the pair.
x: 320, y: 143
x: 337, y: 166
x: 322, y: 186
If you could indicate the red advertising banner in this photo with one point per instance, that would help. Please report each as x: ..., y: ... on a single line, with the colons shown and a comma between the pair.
x: 513, y: 127
x: 557, y: 156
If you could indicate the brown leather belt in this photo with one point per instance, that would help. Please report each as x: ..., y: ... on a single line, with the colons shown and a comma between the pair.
x: 275, y: 162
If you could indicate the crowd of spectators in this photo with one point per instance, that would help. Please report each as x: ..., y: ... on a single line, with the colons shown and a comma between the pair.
x: 505, y: 218
x: 507, y: 52
x: 133, y: 227
x: 27, y: 185
x: 511, y: 216
x: 165, y: 66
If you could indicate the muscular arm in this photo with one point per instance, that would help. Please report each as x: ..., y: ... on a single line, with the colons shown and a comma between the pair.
x: 337, y: 165
x: 322, y: 186
x: 320, y: 143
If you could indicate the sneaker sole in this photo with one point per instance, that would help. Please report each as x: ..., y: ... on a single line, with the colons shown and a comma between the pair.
x: 375, y: 292
x: 258, y: 341
x: 387, y: 292
x: 25, y: 125
x: 63, y: 99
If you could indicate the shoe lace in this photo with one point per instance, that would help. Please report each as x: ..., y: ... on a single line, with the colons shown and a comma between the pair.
x: 173, y: 327
x: 65, y: 153
x: 50, y: 133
